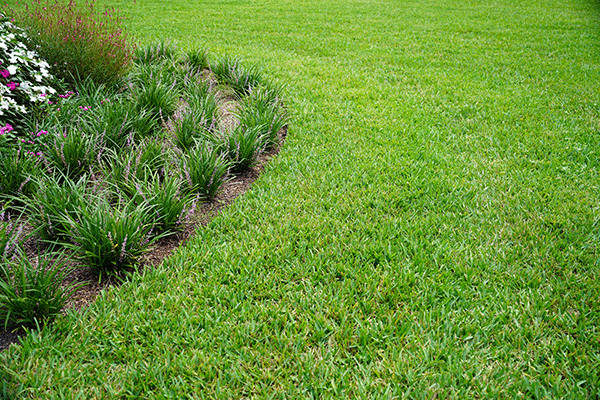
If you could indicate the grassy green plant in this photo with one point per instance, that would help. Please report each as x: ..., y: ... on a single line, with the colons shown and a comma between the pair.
x: 188, y: 130
x: 108, y: 238
x: 203, y: 171
x: 33, y: 294
x: 78, y: 39
x: 264, y: 114
x: 55, y: 199
x: 71, y: 153
x: 203, y: 104
x: 156, y: 52
x: 196, y: 59
x: 241, y: 79
x: 170, y: 205
x: 158, y: 99
x: 16, y: 171
x: 242, y: 145
x: 124, y: 170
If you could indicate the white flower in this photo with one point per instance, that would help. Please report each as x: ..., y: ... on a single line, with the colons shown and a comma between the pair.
x: 12, y: 69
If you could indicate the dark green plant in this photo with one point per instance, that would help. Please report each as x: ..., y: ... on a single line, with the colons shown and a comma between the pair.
x: 56, y: 199
x: 203, y: 170
x: 188, y: 130
x: 229, y: 71
x: 78, y: 39
x: 33, y: 294
x: 264, y: 114
x: 72, y: 153
x: 17, y: 169
x: 242, y: 145
x: 158, y: 99
x: 203, y: 104
x: 196, y: 60
x: 125, y: 170
x: 155, y: 52
x: 169, y: 203
x: 109, y: 238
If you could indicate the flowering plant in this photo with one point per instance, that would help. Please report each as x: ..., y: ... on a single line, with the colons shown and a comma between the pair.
x: 25, y: 80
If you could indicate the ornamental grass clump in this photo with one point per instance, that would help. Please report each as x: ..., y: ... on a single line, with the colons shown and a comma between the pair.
x: 32, y: 293
x: 171, y: 206
x: 78, y: 39
x: 203, y: 170
x: 242, y: 145
x: 71, y: 153
x: 108, y: 237
x: 257, y: 110
x: 17, y: 168
x: 155, y: 52
x: 229, y: 70
x: 54, y: 201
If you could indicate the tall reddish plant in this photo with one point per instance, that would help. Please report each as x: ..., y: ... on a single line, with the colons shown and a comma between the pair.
x: 78, y: 40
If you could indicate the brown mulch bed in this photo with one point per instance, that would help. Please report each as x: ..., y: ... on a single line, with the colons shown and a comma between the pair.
x: 235, y: 186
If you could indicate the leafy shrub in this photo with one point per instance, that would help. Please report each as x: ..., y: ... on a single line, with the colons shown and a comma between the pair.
x: 230, y: 71
x: 204, y: 170
x: 77, y: 39
x: 25, y: 79
x: 108, y: 238
x: 33, y: 293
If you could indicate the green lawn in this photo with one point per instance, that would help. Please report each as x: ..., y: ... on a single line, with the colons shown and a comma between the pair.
x: 430, y: 229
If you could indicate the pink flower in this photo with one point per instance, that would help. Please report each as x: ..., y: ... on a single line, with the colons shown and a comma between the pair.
x: 12, y: 85
x: 6, y: 128
x: 5, y: 73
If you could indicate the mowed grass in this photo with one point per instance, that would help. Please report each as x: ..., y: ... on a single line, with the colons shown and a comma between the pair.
x: 430, y: 229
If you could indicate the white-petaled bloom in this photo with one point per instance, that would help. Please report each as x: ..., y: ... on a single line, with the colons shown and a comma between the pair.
x: 12, y: 69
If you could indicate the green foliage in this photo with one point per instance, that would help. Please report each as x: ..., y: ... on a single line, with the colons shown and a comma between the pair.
x: 260, y: 110
x: 56, y: 199
x: 156, y: 52
x: 203, y: 104
x: 78, y: 39
x: 72, y: 153
x: 33, y: 294
x: 196, y: 59
x: 158, y: 99
x: 188, y: 129
x: 17, y: 169
x: 229, y: 70
x: 170, y: 205
x: 110, y: 238
x: 203, y: 170
x: 242, y: 145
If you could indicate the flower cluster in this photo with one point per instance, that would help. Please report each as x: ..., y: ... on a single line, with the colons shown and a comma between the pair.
x: 24, y: 77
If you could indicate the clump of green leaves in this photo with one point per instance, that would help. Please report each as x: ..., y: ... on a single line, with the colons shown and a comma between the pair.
x: 32, y: 293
